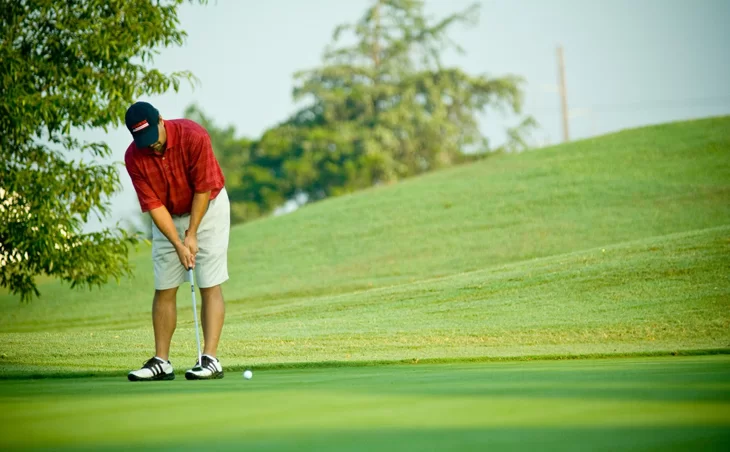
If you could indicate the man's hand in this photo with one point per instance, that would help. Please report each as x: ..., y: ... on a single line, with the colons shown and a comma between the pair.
x: 197, y: 211
x: 191, y: 241
x: 187, y: 259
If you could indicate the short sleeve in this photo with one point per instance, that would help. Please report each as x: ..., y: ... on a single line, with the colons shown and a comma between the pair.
x: 204, y: 171
x: 148, y: 199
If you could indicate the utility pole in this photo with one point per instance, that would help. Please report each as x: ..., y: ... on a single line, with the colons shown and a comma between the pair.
x: 563, y: 93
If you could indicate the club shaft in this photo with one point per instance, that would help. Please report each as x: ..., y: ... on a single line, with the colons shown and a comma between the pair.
x: 195, y: 315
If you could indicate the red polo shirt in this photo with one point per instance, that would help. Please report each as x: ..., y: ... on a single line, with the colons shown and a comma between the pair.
x: 171, y: 179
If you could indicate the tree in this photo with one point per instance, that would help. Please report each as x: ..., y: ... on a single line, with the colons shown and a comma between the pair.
x: 244, y: 170
x: 71, y: 65
x: 139, y: 225
x: 379, y: 110
x: 385, y: 107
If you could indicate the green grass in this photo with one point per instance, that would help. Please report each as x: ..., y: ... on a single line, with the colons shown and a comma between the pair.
x: 646, y: 404
x: 610, y: 247
x: 667, y: 293
x: 500, y: 258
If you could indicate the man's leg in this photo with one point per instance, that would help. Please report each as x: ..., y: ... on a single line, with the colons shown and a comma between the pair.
x: 212, y: 317
x: 169, y: 274
x: 211, y: 269
x: 164, y: 320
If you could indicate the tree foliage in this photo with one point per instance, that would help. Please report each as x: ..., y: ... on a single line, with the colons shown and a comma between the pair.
x: 67, y: 66
x: 380, y: 108
x: 252, y: 188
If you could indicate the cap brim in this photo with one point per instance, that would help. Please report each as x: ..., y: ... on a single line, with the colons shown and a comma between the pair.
x: 147, y: 137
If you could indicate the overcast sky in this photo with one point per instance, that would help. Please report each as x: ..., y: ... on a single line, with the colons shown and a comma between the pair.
x: 628, y: 62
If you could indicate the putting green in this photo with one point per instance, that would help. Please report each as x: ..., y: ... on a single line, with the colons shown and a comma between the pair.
x: 642, y: 403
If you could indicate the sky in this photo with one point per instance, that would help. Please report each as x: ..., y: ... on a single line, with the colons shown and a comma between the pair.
x: 628, y: 63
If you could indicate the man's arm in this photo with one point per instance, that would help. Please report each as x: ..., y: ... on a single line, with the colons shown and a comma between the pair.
x: 148, y: 199
x: 200, y: 206
x: 163, y: 221
x: 205, y: 176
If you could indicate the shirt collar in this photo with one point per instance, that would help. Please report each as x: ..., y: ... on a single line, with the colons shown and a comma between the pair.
x: 171, y: 135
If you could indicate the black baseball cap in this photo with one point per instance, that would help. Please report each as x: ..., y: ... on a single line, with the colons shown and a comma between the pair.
x: 142, y: 120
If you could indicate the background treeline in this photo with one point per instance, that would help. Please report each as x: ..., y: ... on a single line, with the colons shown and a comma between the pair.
x: 380, y: 108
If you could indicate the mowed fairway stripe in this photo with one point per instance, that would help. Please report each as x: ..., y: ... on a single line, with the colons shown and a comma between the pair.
x: 109, y: 412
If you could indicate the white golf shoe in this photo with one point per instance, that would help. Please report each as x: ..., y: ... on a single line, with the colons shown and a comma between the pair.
x: 210, y: 369
x: 154, y: 369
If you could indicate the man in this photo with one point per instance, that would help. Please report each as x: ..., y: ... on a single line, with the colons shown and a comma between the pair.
x: 179, y: 182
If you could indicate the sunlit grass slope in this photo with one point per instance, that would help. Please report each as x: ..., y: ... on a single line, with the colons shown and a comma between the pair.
x: 499, y: 258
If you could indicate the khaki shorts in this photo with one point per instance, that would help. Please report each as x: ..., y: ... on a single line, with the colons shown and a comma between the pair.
x: 211, y: 263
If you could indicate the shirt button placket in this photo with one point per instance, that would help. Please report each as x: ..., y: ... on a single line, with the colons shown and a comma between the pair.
x: 168, y: 172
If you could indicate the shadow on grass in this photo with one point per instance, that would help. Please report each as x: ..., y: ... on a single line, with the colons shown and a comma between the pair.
x: 12, y: 370
x: 667, y: 380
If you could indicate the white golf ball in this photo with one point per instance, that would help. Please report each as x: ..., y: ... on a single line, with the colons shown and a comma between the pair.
x: 247, y: 374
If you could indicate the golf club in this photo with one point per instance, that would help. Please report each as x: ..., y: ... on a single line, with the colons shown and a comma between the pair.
x: 195, y: 315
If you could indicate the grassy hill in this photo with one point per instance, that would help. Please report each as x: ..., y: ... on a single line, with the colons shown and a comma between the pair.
x: 617, y: 244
